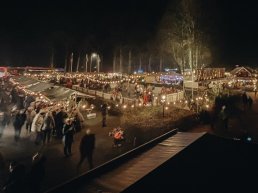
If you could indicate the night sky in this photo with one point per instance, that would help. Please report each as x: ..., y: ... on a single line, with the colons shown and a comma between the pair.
x: 238, y: 25
x: 31, y: 30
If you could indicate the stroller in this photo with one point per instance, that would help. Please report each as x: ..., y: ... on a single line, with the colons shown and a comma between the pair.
x: 118, y: 136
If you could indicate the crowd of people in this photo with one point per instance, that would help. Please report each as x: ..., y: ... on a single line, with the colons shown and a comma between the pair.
x: 21, y: 179
x: 42, y: 120
x: 44, y: 123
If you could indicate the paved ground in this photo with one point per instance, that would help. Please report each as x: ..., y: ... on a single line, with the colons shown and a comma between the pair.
x: 246, y: 124
x: 60, y: 169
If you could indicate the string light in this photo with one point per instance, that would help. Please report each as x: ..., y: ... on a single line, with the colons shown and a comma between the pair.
x: 201, y: 100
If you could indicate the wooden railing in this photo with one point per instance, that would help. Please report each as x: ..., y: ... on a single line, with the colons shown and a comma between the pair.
x: 75, y: 184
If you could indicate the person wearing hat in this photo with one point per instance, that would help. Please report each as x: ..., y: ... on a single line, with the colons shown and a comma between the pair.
x: 59, y: 122
x: 5, y: 121
x: 15, y: 180
x: 87, y: 146
x: 37, y: 172
x: 224, y: 117
x: 104, y: 109
x: 30, y: 114
x: 68, y: 132
x: 47, y: 127
x: 18, y: 122
x: 37, y: 124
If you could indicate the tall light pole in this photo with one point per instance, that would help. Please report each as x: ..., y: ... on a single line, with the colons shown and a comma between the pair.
x: 86, y: 63
x: 98, y: 63
x: 78, y: 64
x: 71, y: 62
x: 52, y: 59
x: 120, y: 61
x: 130, y: 62
x: 93, y: 55
x: 114, y: 62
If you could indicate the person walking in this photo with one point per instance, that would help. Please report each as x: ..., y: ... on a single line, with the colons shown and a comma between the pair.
x: 2, y: 168
x: 15, y: 181
x: 250, y: 102
x: 244, y: 99
x: 48, y: 125
x: 2, y: 125
x: 36, y: 126
x: 104, y: 114
x: 78, y: 120
x: 60, y: 116
x: 5, y: 121
x: 37, y: 173
x: 224, y: 117
x: 87, y: 146
x: 30, y: 114
x: 18, y: 122
x: 68, y: 132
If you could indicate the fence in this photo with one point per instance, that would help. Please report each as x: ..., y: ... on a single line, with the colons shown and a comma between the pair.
x: 169, y: 97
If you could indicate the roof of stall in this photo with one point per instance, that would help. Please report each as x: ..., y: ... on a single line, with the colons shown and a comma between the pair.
x: 56, y: 93
x: 39, y: 87
x: 24, y: 80
x: 238, y: 69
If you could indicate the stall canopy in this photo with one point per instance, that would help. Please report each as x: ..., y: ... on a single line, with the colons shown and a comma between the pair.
x: 24, y: 81
x: 39, y: 87
x: 33, y: 84
x: 56, y: 93
x: 52, y: 92
x: 242, y: 72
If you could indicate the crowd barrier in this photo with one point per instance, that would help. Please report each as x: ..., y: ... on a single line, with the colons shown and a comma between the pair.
x: 173, y: 97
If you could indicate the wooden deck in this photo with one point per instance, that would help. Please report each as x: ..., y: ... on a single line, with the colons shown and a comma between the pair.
x: 133, y: 170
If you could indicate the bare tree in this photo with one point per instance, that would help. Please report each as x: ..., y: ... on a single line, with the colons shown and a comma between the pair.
x: 183, y: 37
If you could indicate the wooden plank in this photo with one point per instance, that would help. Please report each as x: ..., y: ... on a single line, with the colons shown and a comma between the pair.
x: 130, y: 172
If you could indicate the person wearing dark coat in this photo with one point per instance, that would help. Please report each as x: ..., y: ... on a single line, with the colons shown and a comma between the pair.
x: 77, y: 123
x: 59, y: 122
x: 54, y: 133
x: 68, y: 132
x: 87, y: 146
x: 104, y: 114
x: 5, y: 122
x: 15, y: 182
x: 18, y: 122
x: 37, y: 173
x: 224, y: 117
x: 250, y: 102
x: 14, y: 94
x: 2, y: 168
x: 244, y: 99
